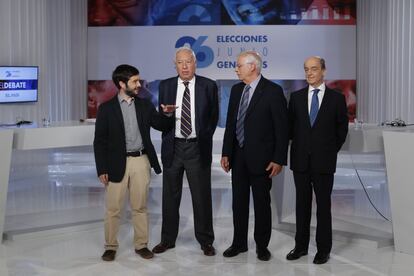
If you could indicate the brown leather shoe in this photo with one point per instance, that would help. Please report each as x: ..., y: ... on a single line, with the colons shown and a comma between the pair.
x: 109, y: 255
x: 208, y: 250
x: 162, y: 247
x: 144, y: 253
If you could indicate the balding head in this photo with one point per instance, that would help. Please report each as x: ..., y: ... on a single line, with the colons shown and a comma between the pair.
x: 314, y: 71
x: 319, y: 59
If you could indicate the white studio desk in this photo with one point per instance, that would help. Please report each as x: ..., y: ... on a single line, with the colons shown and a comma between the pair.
x: 29, y: 137
x: 399, y: 152
x: 365, y: 138
x: 399, y: 157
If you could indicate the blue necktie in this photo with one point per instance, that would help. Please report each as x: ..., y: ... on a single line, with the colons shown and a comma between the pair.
x: 244, y: 103
x: 314, y: 106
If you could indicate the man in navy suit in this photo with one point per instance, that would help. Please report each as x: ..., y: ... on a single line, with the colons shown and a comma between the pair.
x: 255, y: 148
x: 188, y: 147
x: 318, y: 128
x: 124, y: 155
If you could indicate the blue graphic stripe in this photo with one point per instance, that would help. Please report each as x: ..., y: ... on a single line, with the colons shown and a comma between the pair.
x: 18, y: 84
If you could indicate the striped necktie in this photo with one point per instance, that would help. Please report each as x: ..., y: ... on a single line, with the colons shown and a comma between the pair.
x: 244, y: 104
x: 186, y: 128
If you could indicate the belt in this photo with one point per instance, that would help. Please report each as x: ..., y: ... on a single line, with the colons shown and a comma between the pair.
x: 136, y: 153
x: 186, y: 140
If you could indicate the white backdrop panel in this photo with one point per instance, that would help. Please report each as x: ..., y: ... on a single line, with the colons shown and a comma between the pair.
x: 152, y: 49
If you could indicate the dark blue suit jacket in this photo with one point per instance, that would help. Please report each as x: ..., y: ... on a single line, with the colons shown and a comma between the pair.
x: 315, y: 148
x: 206, y: 117
x: 265, y: 126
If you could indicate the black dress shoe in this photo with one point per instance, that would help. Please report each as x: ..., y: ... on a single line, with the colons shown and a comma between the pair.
x: 162, y: 247
x: 144, y: 253
x: 109, y: 255
x: 321, y: 258
x: 263, y: 254
x: 296, y: 254
x: 208, y: 250
x: 233, y: 251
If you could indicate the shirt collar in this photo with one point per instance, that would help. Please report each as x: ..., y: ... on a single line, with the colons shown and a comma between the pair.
x: 320, y: 87
x: 125, y: 99
x: 254, y: 83
x: 190, y: 81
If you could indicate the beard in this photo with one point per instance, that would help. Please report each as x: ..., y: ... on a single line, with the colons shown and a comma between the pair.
x: 131, y: 92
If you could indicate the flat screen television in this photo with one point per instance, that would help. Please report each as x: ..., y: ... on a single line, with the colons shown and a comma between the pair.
x: 18, y: 84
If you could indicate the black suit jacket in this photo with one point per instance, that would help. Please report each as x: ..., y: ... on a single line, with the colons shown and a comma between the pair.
x: 315, y: 148
x: 265, y: 126
x: 206, y: 117
x: 109, y: 143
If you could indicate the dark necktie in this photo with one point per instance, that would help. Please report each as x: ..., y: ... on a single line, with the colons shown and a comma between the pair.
x: 186, y: 112
x: 314, y: 106
x: 244, y: 103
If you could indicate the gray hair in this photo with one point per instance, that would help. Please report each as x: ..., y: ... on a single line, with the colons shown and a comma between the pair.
x: 185, y: 48
x: 252, y: 57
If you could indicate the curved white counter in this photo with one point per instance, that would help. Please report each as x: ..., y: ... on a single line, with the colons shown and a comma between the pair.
x: 399, y: 157
x: 28, y: 137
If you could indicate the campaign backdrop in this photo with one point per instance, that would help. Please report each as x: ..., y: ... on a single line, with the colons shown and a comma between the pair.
x: 146, y: 34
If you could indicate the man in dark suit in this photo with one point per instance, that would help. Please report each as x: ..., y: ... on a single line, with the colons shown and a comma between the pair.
x: 318, y: 128
x: 255, y: 148
x: 188, y: 147
x: 124, y: 155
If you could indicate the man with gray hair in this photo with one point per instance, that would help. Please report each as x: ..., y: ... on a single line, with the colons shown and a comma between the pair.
x: 255, y: 149
x: 188, y: 147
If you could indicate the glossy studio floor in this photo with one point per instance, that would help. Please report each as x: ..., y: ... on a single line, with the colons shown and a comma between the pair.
x: 55, y: 208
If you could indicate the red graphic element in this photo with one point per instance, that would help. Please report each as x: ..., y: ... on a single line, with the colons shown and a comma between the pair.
x: 348, y: 88
x: 117, y: 12
x: 329, y: 12
x: 98, y: 93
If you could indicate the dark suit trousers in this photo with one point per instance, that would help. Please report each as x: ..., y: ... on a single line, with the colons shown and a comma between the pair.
x: 242, y: 180
x: 322, y: 185
x: 187, y: 158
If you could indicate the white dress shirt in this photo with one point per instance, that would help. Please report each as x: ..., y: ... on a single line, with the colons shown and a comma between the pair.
x: 179, y: 103
x: 321, y: 93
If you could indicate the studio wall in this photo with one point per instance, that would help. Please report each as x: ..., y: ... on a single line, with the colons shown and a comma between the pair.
x: 51, y: 34
x: 385, y: 59
x: 146, y: 34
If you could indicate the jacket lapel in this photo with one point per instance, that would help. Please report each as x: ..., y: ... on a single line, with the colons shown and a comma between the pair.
x: 304, y: 104
x: 117, y: 110
x: 236, y: 104
x: 198, y: 101
x: 172, y: 93
x: 324, y: 105
x: 257, y: 94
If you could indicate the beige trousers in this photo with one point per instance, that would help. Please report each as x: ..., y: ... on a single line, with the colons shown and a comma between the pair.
x: 136, y: 180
